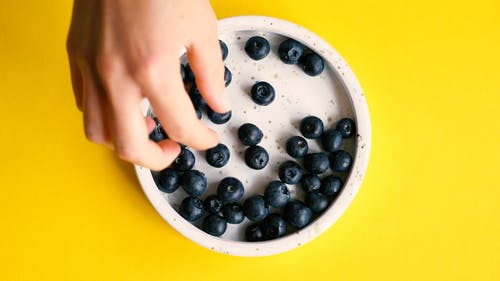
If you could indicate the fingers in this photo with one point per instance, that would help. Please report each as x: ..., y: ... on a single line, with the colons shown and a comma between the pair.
x: 205, y: 59
x: 76, y: 82
x: 164, y: 88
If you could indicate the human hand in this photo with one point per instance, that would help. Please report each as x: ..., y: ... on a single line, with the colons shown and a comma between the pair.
x: 121, y: 51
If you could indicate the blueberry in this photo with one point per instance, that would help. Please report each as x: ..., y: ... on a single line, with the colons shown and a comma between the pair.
x: 194, y: 182
x: 167, y: 180
x: 183, y: 72
x: 218, y: 156
x: 316, y: 163
x: 233, y: 213
x: 257, y: 48
x: 189, y: 74
x: 218, y: 118
x: 277, y: 194
x: 331, y: 186
x: 256, y: 157
x: 317, y: 202
x: 312, y: 64
x: 185, y: 160
x: 230, y: 190
x: 311, y: 127
x: 274, y: 226
x: 297, y: 147
x: 191, y: 208
x: 228, y: 76
x: 310, y: 182
x: 212, y: 204
x: 249, y: 134
x: 224, y: 49
x: 331, y: 140
x: 255, y: 208
x: 297, y: 214
x: 158, y: 134
x: 340, y: 161
x: 196, y: 98
x: 290, y: 172
x: 253, y: 233
x: 214, y: 225
x: 290, y: 51
x: 199, y: 113
x: 262, y: 93
x: 347, y: 127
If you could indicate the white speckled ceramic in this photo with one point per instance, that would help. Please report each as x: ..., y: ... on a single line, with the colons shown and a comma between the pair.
x: 331, y: 96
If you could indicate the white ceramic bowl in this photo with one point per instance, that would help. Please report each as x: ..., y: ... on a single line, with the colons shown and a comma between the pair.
x: 331, y: 96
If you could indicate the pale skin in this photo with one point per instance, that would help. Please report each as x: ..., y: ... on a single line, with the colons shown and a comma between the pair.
x: 121, y: 51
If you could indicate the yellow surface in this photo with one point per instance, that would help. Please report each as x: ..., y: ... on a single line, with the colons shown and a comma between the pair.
x: 427, y: 210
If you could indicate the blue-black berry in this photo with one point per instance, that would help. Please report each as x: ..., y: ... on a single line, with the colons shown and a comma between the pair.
x: 191, y: 208
x: 274, y: 226
x: 212, y: 204
x: 196, y: 98
x: 297, y: 147
x: 253, y: 233
x: 297, y: 214
x: 262, y: 93
x: 167, y: 180
x: 158, y: 134
x: 255, y: 208
x: 331, y: 186
x: 277, y: 194
x: 311, y: 127
x: 230, y: 190
x: 256, y: 157
x: 340, y: 161
x: 218, y: 118
x: 290, y: 172
x: 317, y: 202
x: 218, y: 156
x: 194, y: 182
x: 310, y: 183
x: 290, y: 51
x: 331, y: 140
x: 228, y: 76
x: 249, y: 134
x: 214, y: 225
x: 233, y: 213
x: 185, y: 160
x: 316, y: 163
x: 346, y: 127
x: 257, y: 47
x: 189, y: 75
x: 224, y: 49
x: 312, y: 64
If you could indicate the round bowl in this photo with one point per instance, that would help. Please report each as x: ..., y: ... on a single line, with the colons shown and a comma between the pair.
x: 333, y: 95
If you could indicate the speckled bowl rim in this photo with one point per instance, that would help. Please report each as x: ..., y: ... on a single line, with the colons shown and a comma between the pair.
x: 352, y: 183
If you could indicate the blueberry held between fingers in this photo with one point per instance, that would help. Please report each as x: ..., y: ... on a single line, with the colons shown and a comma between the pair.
x: 218, y: 118
x: 212, y: 204
x: 255, y: 208
x: 189, y: 75
x: 256, y: 157
x: 317, y: 202
x: 312, y: 64
x: 290, y: 51
x: 262, y: 93
x: 331, y: 186
x: 297, y: 147
x: 249, y: 134
x: 290, y: 172
x: 277, y: 194
x: 185, y: 161
x: 158, y: 134
x: 257, y: 47
x: 310, y: 183
x: 274, y: 226
x: 228, y: 76
x: 218, y: 156
x: 311, y: 127
x: 196, y: 98
x: 331, y: 140
x: 214, y: 225
x: 340, y: 161
x: 233, y: 213
x: 183, y: 72
x: 194, y: 182
x: 347, y: 127
x: 191, y: 208
x: 224, y: 49
x: 230, y: 190
x: 316, y: 163
x: 297, y: 214
x: 167, y: 180
x: 253, y: 233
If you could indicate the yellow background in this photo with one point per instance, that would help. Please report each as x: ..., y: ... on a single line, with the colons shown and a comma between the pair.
x: 427, y: 210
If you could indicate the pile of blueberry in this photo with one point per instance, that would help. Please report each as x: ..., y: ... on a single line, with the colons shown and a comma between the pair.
x: 274, y: 213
